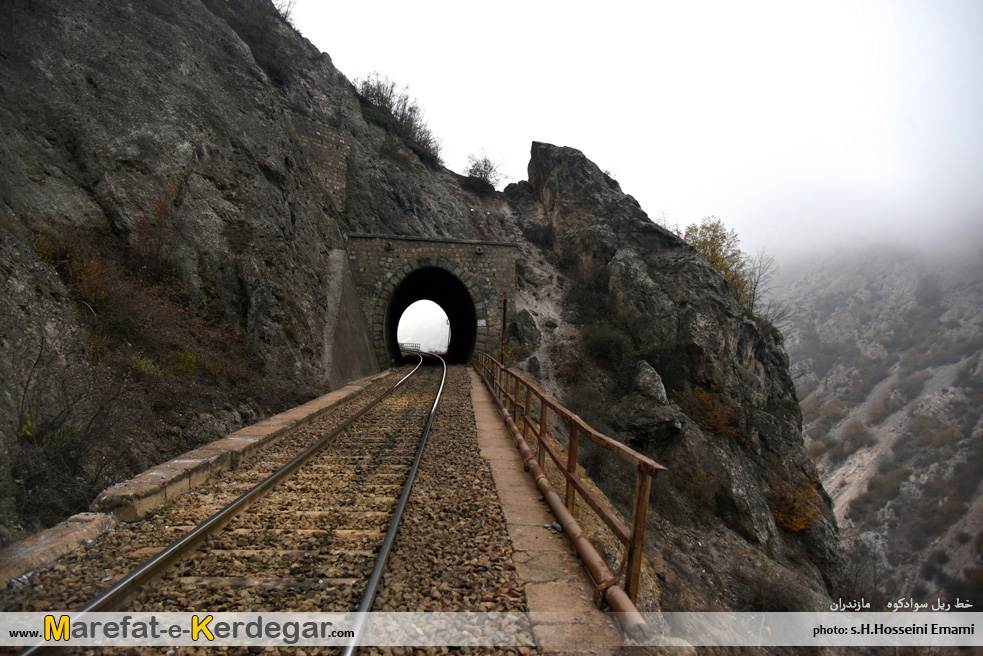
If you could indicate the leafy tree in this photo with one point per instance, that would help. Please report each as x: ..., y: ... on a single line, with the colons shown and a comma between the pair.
x: 749, y: 277
x: 721, y: 247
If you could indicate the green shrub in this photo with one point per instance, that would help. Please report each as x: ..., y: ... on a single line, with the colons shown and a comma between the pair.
x: 187, y: 362
x: 45, y: 249
x: 375, y: 115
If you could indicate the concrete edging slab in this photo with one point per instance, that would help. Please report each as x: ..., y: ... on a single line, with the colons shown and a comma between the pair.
x: 131, y: 500
x: 53, y: 543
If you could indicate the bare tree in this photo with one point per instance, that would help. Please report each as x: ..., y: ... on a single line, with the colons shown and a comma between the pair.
x: 661, y: 219
x: 759, y: 272
x: 285, y: 9
x: 484, y: 169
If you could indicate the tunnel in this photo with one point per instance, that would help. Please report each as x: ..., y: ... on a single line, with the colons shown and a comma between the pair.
x: 447, y: 291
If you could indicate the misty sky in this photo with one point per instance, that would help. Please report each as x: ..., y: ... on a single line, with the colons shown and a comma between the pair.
x: 796, y: 123
x: 424, y: 323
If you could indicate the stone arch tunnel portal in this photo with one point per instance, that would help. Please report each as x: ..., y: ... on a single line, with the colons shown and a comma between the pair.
x: 469, y: 280
x: 446, y: 290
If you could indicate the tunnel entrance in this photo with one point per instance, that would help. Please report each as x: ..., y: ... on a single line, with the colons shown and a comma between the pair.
x: 447, y: 291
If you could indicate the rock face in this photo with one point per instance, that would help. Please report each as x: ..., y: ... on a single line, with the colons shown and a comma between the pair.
x: 178, y: 180
x: 170, y: 191
x: 675, y: 368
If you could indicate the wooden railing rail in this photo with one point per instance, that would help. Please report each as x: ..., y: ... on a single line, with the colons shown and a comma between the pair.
x: 533, y: 411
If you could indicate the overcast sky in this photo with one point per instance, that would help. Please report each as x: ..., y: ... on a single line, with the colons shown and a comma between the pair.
x: 795, y: 123
x: 424, y: 323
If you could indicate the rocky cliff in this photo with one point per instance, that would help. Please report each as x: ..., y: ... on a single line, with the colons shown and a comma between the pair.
x: 635, y: 331
x: 888, y: 349
x: 178, y: 181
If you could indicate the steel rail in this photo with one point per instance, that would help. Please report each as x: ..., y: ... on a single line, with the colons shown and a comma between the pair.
x: 380, y: 564
x: 127, y: 587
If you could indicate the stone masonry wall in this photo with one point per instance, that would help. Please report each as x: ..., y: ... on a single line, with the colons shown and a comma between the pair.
x: 487, y: 269
x: 327, y: 155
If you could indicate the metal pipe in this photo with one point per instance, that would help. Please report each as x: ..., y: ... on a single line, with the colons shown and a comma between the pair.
x: 604, y: 579
x: 380, y: 564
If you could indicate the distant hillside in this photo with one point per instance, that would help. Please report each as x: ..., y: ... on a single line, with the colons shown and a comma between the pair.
x: 886, y: 349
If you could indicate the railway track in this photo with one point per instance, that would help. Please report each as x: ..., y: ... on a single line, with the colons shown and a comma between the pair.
x: 452, y: 553
x: 307, y: 544
x: 317, y: 531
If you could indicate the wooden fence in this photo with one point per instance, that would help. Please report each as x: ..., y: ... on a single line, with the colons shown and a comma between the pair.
x: 531, y: 410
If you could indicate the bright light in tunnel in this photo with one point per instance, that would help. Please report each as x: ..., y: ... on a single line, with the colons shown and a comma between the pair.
x: 424, y: 323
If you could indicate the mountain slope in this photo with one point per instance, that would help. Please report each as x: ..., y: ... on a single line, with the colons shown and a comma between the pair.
x: 888, y: 348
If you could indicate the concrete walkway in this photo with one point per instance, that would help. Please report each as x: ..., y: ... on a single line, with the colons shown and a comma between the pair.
x: 558, y: 588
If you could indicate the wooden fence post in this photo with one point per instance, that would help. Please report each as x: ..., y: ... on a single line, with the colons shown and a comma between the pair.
x: 636, y: 552
x: 572, y: 444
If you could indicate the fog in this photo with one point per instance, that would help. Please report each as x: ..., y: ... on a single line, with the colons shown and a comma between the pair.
x: 424, y: 323
x: 800, y: 125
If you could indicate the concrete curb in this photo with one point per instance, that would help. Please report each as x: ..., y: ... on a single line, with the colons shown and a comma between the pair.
x: 131, y: 500
x: 49, y: 545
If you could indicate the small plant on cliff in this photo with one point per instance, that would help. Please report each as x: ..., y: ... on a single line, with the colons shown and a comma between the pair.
x: 483, y: 174
x: 710, y: 408
x: 73, y: 434
x: 285, y: 9
x: 155, y: 234
x: 795, y: 504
